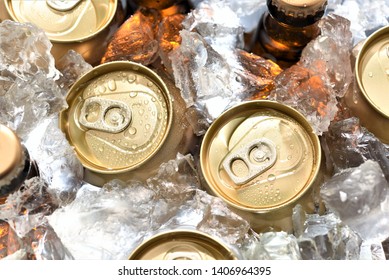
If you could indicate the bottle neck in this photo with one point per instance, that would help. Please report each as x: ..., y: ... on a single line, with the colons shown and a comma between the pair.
x: 295, y: 18
x: 27, y: 171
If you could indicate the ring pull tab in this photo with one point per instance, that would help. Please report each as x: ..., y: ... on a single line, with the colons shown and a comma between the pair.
x: 106, y: 115
x: 62, y: 5
x: 250, y: 161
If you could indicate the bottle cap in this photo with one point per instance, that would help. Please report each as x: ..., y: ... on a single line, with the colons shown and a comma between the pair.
x: 11, y: 152
x: 298, y: 13
x: 14, y: 161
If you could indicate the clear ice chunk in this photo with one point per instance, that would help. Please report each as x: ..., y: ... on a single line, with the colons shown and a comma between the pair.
x: 135, y: 40
x: 323, y: 73
x: 347, y: 144
x: 247, y: 11
x: 273, y: 246
x: 25, y: 51
x: 209, y: 21
x: 324, y: 237
x: 256, y: 74
x: 329, y: 54
x: 372, y: 251
x: 28, y: 92
x: 26, y: 229
x: 108, y: 222
x: 42, y: 243
x: 360, y: 197
x: 29, y: 101
x: 103, y: 223
x: 56, y: 159
x: 72, y: 65
x: 211, y: 215
x: 209, y: 67
x: 365, y: 16
x: 28, y: 207
x: 203, y: 75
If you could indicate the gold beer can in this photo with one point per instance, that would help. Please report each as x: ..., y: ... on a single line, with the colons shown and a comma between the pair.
x: 370, y: 102
x: 121, y: 124
x: 262, y: 158
x: 82, y: 25
x: 183, y: 244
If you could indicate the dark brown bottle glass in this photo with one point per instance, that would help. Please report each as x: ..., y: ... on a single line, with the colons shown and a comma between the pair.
x: 287, y: 27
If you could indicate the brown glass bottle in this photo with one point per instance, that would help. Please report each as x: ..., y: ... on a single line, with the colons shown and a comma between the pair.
x: 15, y: 163
x: 287, y: 27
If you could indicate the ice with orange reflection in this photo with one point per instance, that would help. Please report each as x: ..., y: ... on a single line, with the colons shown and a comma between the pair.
x: 322, y: 75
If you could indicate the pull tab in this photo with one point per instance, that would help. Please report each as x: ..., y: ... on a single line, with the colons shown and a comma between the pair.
x: 62, y: 5
x: 250, y: 161
x: 105, y: 115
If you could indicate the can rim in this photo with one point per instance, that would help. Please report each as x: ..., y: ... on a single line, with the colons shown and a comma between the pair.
x: 102, y: 69
x: 81, y: 39
x: 262, y: 104
x: 180, y: 233
x: 370, y: 41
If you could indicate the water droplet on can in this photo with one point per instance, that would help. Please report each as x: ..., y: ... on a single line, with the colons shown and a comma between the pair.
x: 271, y: 177
x: 112, y: 85
x: 132, y: 130
x: 102, y: 89
x: 131, y: 78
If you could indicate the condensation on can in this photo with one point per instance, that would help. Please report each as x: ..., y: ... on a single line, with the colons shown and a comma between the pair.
x: 120, y: 122
x: 84, y: 26
x: 183, y: 244
x: 369, y: 101
x: 262, y: 158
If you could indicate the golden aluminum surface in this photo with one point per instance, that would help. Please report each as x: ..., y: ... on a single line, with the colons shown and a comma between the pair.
x: 264, y: 131
x: 182, y: 245
x: 11, y: 153
x: 119, y: 115
x: 72, y: 21
x: 372, y: 70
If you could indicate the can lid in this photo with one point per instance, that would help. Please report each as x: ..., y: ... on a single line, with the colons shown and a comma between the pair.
x: 65, y: 20
x: 297, y: 12
x: 119, y: 115
x: 372, y: 70
x: 182, y: 245
x: 253, y: 151
x: 11, y: 154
